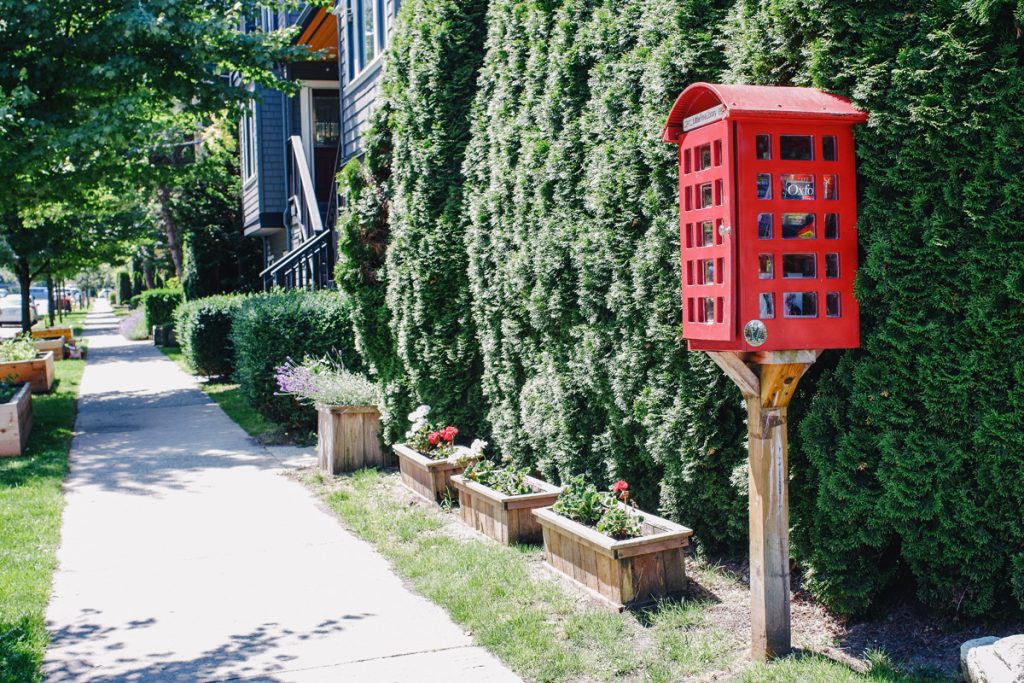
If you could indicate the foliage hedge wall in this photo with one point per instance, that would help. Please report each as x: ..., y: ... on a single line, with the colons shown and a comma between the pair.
x: 909, y: 454
x: 271, y: 328
x: 905, y: 454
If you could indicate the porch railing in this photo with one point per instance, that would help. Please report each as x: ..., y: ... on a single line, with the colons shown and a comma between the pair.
x: 309, y: 266
x: 311, y: 263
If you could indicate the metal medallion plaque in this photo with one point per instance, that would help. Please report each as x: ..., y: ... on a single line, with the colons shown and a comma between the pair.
x: 755, y: 333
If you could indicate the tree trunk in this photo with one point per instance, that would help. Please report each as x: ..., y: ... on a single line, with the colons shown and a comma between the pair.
x: 25, y: 280
x: 148, y: 273
x: 50, y: 297
x: 163, y: 196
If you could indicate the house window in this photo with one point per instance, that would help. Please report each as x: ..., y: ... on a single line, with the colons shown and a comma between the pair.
x: 364, y: 34
x: 248, y: 150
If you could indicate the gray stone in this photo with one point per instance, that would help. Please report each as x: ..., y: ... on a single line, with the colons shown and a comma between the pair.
x: 1011, y: 651
x: 993, y: 660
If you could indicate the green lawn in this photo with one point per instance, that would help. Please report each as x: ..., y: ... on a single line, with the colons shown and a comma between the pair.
x: 230, y: 398
x: 31, y: 503
x: 537, y: 626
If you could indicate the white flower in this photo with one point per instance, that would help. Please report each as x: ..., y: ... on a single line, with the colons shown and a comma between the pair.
x: 462, y: 456
x: 477, y: 447
x: 420, y: 414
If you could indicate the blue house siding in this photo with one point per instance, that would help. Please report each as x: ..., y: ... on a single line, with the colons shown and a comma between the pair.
x: 264, y: 194
x: 357, y: 105
x: 359, y: 95
x: 270, y: 131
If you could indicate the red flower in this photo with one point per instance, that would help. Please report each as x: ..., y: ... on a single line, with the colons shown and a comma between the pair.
x: 433, y: 438
x: 448, y: 433
x: 620, y: 486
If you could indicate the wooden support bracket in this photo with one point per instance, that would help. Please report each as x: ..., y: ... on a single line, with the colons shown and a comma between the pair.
x: 768, y: 381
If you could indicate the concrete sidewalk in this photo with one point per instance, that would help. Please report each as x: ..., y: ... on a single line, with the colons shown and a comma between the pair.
x: 187, y: 556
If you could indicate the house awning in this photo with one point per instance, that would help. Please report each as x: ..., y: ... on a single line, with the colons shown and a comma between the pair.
x: 318, y: 28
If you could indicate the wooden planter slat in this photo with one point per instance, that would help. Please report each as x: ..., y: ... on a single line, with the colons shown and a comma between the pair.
x: 631, y: 572
x: 428, y: 478
x: 38, y: 372
x: 349, y: 439
x: 506, y: 519
x: 55, y: 345
x: 16, y: 422
x: 64, y: 333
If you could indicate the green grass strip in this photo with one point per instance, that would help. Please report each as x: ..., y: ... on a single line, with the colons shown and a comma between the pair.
x: 533, y: 623
x: 31, y: 504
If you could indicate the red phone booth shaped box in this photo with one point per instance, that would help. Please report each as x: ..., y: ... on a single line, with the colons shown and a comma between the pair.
x: 768, y: 217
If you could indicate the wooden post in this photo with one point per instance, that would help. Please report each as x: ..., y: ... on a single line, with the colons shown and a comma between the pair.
x: 768, y: 381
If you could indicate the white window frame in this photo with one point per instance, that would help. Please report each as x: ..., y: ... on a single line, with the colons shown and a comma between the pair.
x: 355, y: 55
x: 249, y: 155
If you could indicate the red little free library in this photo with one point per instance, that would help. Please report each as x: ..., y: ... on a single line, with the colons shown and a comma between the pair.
x: 768, y: 217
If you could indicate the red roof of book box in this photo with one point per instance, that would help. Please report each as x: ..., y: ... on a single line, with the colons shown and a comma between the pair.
x: 758, y: 101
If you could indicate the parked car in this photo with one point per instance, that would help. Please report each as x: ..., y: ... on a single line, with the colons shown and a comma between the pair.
x: 10, y: 310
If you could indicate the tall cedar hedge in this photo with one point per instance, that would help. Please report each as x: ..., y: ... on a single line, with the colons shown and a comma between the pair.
x: 905, y: 454
x: 909, y: 454
x: 429, y: 86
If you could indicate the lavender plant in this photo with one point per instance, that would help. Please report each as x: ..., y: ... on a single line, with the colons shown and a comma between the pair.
x: 323, y: 381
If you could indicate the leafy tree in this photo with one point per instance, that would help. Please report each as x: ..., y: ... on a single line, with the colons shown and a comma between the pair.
x: 63, y: 237
x: 218, y: 258
x: 72, y: 116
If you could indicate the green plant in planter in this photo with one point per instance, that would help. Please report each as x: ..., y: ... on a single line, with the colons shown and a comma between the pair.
x: 7, y: 390
x: 581, y: 502
x: 502, y: 478
x: 17, y: 348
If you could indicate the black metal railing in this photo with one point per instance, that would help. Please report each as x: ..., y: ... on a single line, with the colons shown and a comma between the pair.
x: 309, y: 266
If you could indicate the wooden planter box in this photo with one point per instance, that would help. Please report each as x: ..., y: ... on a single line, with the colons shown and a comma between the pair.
x: 431, y: 479
x: 349, y: 439
x: 506, y: 519
x: 53, y: 333
x: 56, y: 345
x: 16, y: 422
x: 625, y: 573
x: 38, y: 372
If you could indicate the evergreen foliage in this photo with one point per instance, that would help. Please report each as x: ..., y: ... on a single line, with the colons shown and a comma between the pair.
x: 159, y: 305
x: 907, y: 467
x: 429, y: 87
x: 137, y: 284
x: 271, y: 329
x: 124, y: 287
x: 574, y: 267
x: 361, y: 273
x: 904, y: 454
x: 203, y: 327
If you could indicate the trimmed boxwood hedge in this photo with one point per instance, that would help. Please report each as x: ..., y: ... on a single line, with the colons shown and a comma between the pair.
x: 271, y: 328
x: 159, y: 304
x: 203, y: 327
